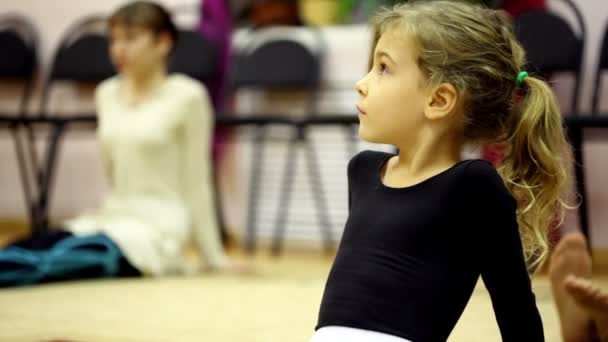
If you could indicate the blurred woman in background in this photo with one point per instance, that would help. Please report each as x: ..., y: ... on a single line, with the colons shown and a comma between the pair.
x: 155, y: 130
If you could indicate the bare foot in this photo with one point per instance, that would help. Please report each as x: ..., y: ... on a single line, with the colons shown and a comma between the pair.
x: 570, y: 258
x: 593, y: 299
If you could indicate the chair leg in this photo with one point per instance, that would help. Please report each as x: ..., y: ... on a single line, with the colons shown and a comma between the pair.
x: 33, y: 154
x: 24, y: 175
x: 314, y: 175
x: 254, y: 183
x: 576, y: 138
x: 38, y: 177
x: 217, y: 200
x: 285, y: 195
x: 48, y: 175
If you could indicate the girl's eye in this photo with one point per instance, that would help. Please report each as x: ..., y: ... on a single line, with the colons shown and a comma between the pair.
x: 383, y: 69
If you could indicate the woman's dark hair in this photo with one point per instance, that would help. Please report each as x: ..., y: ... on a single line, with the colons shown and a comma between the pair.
x: 145, y: 14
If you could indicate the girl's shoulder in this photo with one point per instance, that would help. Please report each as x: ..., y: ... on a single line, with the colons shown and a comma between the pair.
x: 107, y: 87
x: 481, y: 171
x: 367, y: 156
x: 183, y: 85
x: 483, y: 179
x: 186, y: 91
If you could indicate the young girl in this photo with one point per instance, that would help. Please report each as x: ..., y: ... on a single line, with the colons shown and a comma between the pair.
x: 423, y: 224
x: 155, y: 131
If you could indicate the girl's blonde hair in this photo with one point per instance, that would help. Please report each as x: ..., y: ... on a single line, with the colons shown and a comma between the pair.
x: 474, y: 49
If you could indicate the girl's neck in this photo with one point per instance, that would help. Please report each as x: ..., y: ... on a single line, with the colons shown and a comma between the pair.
x: 138, y: 87
x: 423, y: 158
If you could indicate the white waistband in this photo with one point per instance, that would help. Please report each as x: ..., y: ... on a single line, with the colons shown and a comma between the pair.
x: 345, y: 334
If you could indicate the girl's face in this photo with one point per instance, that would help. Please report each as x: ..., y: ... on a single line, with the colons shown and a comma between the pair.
x: 393, y: 93
x: 135, y: 50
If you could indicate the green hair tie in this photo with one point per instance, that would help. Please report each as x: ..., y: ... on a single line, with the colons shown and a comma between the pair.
x: 520, y: 78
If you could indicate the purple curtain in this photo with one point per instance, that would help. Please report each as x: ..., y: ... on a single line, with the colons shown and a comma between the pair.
x: 216, y: 26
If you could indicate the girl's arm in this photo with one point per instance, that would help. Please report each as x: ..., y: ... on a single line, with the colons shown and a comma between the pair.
x: 503, y: 267
x: 106, y: 159
x: 197, y: 176
x: 106, y: 156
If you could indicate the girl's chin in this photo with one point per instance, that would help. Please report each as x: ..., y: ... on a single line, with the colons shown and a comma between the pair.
x: 370, y: 137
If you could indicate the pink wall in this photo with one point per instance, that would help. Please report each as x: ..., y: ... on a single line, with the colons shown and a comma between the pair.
x: 80, y: 184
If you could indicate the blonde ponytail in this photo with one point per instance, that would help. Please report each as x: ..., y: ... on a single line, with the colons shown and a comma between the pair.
x: 536, y: 167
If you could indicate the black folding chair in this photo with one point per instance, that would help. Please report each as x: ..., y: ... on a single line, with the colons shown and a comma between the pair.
x: 602, y: 65
x: 18, y: 43
x: 194, y: 56
x: 81, y: 57
x: 576, y: 125
x: 281, y: 63
x: 552, y: 45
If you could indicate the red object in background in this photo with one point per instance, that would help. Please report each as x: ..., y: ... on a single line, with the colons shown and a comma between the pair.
x: 515, y: 7
x: 275, y: 12
x: 555, y: 234
x: 493, y: 153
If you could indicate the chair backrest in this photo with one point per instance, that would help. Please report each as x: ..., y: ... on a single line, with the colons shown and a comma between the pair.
x: 194, y: 56
x: 602, y: 64
x: 85, y: 60
x: 18, y: 43
x: 280, y: 62
x: 552, y: 45
x: 82, y: 56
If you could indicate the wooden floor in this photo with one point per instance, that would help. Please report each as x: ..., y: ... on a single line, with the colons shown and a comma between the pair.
x: 277, y: 303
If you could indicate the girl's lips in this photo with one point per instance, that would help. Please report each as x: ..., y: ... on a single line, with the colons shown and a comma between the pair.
x: 361, y: 111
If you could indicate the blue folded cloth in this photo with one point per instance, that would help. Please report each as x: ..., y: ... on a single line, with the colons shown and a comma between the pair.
x: 65, y: 260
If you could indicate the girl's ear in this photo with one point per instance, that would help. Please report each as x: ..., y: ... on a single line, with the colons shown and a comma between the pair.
x: 165, y: 42
x: 442, y: 101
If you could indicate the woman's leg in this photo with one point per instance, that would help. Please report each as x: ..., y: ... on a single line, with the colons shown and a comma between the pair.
x: 101, y: 247
x: 59, y: 256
